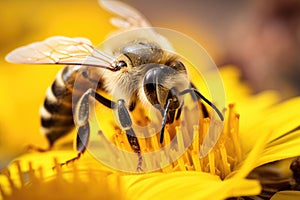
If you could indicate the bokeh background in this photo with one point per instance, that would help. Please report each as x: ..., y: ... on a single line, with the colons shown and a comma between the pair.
x: 260, y: 37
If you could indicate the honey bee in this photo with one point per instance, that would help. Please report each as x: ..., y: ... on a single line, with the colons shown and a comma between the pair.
x: 138, y: 71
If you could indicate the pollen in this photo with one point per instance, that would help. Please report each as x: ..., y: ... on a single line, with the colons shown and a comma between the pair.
x: 214, y: 149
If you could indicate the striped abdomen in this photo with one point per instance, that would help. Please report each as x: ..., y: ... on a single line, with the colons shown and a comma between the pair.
x: 56, y: 112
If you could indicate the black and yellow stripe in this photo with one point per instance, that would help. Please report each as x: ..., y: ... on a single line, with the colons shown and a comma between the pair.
x: 57, y: 110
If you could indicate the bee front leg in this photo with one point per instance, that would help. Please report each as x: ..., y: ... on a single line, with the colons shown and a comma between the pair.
x: 126, y: 123
x: 164, y: 121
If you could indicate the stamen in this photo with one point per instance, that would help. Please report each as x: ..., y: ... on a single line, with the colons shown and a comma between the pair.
x: 6, y: 173
x: 41, y: 173
x: 154, y: 142
x: 219, y: 160
x: 31, y: 174
x: 181, y: 164
x: 164, y: 161
x: 188, y: 160
x: 196, y: 161
x: 211, y: 160
x: 230, y: 118
x: 142, y: 143
x: 205, y: 128
x: 57, y: 167
x: 59, y: 185
x: 180, y: 141
x: 167, y: 139
x: 225, y: 164
x: 21, y: 175
x: 196, y: 139
x: 235, y: 138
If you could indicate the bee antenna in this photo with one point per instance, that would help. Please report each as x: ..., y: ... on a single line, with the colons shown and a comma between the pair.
x: 200, y: 96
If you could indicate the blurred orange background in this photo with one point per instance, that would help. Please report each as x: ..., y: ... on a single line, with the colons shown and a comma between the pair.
x: 261, y: 37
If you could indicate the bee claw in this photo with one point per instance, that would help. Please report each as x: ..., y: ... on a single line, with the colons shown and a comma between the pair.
x: 140, y: 163
x: 59, y: 165
x: 139, y: 169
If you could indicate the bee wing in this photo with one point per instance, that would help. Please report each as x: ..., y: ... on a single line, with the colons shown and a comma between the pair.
x: 128, y: 17
x: 61, y: 50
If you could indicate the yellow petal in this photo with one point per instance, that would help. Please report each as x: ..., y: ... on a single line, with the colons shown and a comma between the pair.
x: 278, y: 119
x: 250, y: 161
x: 284, y: 147
x: 282, y: 121
x: 244, y: 187
x: 186, y: 185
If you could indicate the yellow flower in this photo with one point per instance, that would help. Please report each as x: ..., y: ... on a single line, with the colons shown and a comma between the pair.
x: 272, y: 135
x: 258, y: 130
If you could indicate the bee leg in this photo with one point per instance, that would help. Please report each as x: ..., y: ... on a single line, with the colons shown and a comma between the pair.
x: 32, y: 147
x: 164, y: 121
x: 82, y: 138
x: 81, y: 117
x: 168, y: 114
x: 178, y: 114
x: 126, y: 124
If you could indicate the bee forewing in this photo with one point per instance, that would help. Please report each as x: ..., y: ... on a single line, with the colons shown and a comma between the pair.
x: 61, y: 50
x: 128, y: 16
x: 130, y: 19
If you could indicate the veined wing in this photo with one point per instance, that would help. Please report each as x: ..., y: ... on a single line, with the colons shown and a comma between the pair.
x: 129, y: 17
x: 62, y: 50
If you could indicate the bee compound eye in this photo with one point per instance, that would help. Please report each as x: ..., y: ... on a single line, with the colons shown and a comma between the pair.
x: 177, y: 65
x: 121, y: 64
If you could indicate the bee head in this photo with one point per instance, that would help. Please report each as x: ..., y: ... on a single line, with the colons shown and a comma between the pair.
x: 163, y: 83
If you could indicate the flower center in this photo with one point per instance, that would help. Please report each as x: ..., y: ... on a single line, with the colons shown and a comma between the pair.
x: 214, y: 149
